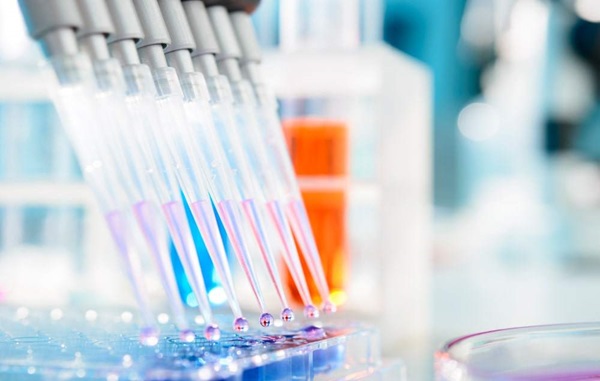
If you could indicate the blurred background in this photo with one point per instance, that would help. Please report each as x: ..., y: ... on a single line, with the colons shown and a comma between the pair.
x: 461, y: 142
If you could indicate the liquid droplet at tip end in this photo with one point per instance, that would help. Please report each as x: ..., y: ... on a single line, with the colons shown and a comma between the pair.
x: 212, y: 332
x: 187, y: 336
x: 287, y: 315
x: 149, y: 336
x: 311, y: 312
x: 328, y: 307
x: 266, y: 319
x: 241, y: 324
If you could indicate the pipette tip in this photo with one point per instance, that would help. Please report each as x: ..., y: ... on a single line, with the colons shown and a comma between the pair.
x: 266, y: 319
x: 241, y: 324
x: 187, y: 336
x: 329, y: 307
x: 311, y: 312
x: 149, y: 336
x: 212, y: 332
x: 287, y: 315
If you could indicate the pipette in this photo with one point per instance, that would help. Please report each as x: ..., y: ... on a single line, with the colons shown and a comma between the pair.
x: 72, y: 92
x: 147, y: 132
x: 260, y: 162
x: 169, y: 136
x: 252, y: 200
x: 135, y: 172
x: 212, y: 141
x: 274, y: 144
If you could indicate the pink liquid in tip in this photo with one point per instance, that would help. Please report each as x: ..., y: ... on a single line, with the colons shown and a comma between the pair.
x: 290, y: 254
x: 184, y: 245
x: 207, y: 224
x: 303, y: 232
x: 229, y: 216
x: 251, y: 210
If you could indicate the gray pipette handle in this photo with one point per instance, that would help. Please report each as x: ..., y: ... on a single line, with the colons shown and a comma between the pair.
x: 156, y: 37
x: 204, y: 36
x: 246, y: 37
x: 127, y: 31
x: 251, y: 52
x: 207, y: 46
x: 97, y: 25
x: 54, y: 22
x: 182, y: 40
x: 229, y: 50
x: 229, y: 47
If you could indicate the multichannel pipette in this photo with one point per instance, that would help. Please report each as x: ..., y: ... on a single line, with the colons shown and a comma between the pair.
x: 149, y: 129
x: 73, y: 95
x: 220, y: 144
x: 267, y: 146
x: 274, y: 144
x: 131, y: 164
x: 180, y: 150
x: 158, y: 119
x: 252, y: 200
x: 231, y: 134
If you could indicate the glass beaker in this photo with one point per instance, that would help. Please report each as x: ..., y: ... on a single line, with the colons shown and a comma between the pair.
x: 565, y: 352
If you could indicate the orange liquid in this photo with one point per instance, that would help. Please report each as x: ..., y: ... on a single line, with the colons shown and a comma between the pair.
x: 319, y: 152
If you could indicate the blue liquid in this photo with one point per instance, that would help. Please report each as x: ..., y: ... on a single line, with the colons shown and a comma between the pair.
x: 211, y: 279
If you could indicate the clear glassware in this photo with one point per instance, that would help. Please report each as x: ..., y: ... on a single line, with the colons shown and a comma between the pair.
x: 565, y: 352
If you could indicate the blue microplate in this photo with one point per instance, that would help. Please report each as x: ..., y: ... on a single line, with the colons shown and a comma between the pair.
x: 57, y: 345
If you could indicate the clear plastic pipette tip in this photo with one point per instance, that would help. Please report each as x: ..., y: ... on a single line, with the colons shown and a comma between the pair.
x: 233, y: 226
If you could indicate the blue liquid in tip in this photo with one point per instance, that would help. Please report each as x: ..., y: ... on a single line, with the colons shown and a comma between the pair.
x: 211, y: 279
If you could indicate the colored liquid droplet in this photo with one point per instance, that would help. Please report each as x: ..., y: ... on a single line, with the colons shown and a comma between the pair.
x: 266, y: 319
x: 149, y: 336
x: 187, y: 336
x: 329, y: 307
x: 241, y: 324
x: 311, y: 312
x: 212, y: 332
x: 313, y: 333
x: 287, y: 315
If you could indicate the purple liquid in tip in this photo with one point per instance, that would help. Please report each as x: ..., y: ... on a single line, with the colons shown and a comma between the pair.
x: 266, y: 319
x: 212, y: 332
x: 149, y: 336
x: 241, y: 324
x: 287, y: 315
x: 311, y: 312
